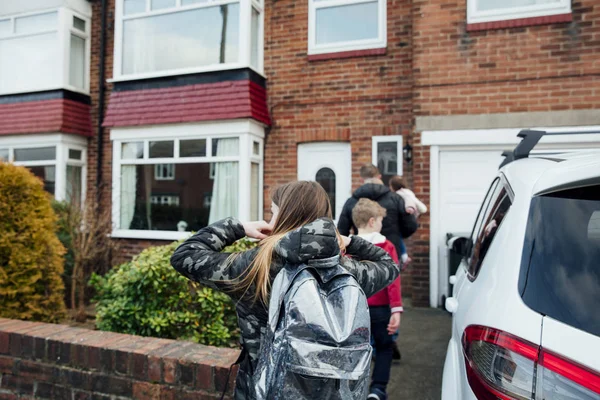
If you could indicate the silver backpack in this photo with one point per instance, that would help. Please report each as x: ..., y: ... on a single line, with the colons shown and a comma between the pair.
x: 317, y: 343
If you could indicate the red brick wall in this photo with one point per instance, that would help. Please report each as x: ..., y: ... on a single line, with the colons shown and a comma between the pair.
x: 348, y: 99
x: 537, y: 68
x: 47, y: 361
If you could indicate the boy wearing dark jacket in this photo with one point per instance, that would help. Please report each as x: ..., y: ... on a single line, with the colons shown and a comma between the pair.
x: 385, y: 306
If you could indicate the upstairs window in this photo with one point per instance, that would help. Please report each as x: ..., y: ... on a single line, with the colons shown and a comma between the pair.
x: 346, y: 25
x: 44, y: 51
x: 173, y: 37
x: 501, y: 10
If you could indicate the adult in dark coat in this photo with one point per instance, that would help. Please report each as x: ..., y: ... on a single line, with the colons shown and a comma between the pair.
x: 397, y: 224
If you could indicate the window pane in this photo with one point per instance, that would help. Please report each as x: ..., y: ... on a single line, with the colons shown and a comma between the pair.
x: 256, y: 149
x: 77, y: 62
x: 493, y: 217
x: 560, y: 273
x: 225, y: 147
x: 5, y: 27
x: 254, y: 191
x: 3, y: 154
x: 35, y: 154
x: 202, y: 199
x: 326, y: 178
x: 132, y: 150
x: 161, y: 149
x: 487, y: 5
x: 187, y: 2
x: 134, y: 6
x: 192, y: 148
x: 73, y: 194
x: 186, y: 39
x: 254, y: 51
x: 36, y: 23
x: 47, y: 175
x: 164, y: 172
x: 158, y: 4
x: 79, y: 23
x: 387, y: 160
x: 30, y: 63
x: 74, y: 154
x: 347, y: 23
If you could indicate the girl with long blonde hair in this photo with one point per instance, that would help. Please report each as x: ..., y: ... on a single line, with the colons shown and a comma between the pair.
x: 300, y: 230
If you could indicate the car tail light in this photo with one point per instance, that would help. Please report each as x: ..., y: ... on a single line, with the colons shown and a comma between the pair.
x: 502, y: 366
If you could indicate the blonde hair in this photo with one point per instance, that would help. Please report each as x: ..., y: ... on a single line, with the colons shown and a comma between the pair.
x: 299, y: 203
x: 364, y: 210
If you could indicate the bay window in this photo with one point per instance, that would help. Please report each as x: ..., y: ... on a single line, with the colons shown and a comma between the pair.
x: 498, y: 10
x: 169, y: 179
x: 346, y: 25
x: 44, y: 51
x: 172, y: 37
x: 59, y: 160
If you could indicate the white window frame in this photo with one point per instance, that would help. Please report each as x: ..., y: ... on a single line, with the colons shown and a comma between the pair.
x: 64, y: 29
x: 246, y: 130
x: 354, y: 45
x: 386, y: 139
x: 63, y: 143
x: 244, y: 39
x: 542, y: 10
x: 164, y: 199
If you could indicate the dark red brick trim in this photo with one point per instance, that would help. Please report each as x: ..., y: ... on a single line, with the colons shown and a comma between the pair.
x: 347, y: 54
x: 520, y: 22
x: 325, y: 135
x: 43, y: 116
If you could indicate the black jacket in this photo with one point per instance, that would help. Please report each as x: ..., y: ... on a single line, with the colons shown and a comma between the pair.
x: 200, y: 259
x: 396, y: 225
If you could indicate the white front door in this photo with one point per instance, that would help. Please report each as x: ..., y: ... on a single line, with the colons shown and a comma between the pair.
x: 464, y: 178
x: 330, y: 164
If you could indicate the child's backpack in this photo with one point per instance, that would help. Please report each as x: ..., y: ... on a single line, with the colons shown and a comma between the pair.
x: 317, y: 343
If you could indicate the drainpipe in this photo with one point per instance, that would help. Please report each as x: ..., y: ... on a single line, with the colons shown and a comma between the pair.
x: 101, y: 91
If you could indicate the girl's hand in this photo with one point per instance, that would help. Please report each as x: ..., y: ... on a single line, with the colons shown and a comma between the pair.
x: 346, y: 240
x: 394, y: 323
x: 257, y: 229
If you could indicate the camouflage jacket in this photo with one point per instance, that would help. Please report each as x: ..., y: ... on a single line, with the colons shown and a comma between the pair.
x: 200, y: 259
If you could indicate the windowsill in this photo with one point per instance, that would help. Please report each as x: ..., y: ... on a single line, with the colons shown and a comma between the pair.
x: 178, y: 72
x: 47, y: 89
x: 154, y: 235
x: 520, y: 22
x: 347, y: 54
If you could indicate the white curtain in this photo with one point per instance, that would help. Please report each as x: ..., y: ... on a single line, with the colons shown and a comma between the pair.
x: 128, y: 186
x: 225, y: 192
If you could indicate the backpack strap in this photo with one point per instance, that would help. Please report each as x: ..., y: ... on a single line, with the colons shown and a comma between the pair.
x: 240, y: 358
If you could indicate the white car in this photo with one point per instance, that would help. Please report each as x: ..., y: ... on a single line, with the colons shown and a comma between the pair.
x: 526, y: 296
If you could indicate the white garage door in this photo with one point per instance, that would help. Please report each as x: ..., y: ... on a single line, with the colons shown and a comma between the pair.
x: 464, y: 178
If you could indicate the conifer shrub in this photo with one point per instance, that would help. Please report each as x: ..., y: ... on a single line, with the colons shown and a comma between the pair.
x: 31, y: 256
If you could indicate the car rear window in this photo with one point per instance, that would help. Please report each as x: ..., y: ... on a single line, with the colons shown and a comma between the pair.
x: 560, y: 269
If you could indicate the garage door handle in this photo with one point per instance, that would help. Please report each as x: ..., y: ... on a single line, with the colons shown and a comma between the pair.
x: 452, y: 279
x: 451, y: 305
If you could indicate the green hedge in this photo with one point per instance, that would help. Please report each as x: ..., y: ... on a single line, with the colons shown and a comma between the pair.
x: 148, y: 297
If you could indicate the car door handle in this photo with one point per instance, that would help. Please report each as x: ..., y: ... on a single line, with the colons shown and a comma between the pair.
x: 452, y: 279
x: 451, y: 305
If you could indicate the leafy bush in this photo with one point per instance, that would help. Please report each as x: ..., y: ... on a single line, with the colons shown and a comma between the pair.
x: 31, y: 256
x: 148, y: 297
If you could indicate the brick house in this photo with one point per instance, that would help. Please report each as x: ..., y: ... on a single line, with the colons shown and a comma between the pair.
x: 207, y: 105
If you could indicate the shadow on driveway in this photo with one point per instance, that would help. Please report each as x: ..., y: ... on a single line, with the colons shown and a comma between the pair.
x: 424, y: 336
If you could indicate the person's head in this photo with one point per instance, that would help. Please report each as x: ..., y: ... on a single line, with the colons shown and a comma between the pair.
x: 370, y: 174
x: 293, y: 205
x: 367, y: 216
x: 396, y: 183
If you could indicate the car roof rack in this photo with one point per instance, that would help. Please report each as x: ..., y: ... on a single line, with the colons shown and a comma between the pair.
x: 529, y: 139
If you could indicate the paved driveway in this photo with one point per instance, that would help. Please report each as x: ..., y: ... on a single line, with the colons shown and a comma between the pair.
x: 424, y: 335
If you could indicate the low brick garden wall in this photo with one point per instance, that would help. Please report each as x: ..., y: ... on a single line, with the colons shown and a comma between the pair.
x: 49, y: 361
